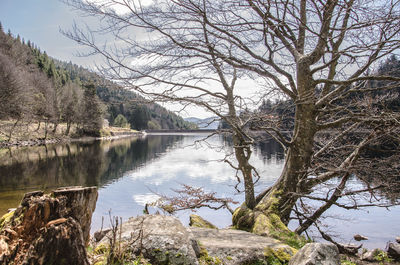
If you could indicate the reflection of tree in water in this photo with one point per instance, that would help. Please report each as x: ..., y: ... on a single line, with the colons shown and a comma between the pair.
x: 84, y: 163
x: 270, y: 149
x: 267, y: 148
x: 123, y: 158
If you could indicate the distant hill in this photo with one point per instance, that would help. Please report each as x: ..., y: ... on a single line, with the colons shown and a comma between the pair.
x: 140, y: 115
x: 35, y: 88
x: 210, y: 123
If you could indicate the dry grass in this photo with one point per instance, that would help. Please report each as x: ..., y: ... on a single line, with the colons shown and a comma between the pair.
x: 24, y: 131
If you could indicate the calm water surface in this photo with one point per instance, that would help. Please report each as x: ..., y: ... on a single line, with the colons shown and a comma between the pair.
x: 130, y: 172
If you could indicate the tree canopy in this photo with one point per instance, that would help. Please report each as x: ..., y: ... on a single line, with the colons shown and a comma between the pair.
x: 322, y: 57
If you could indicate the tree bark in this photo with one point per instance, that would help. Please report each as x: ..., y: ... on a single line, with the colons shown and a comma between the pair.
x: 68, y: 128
x: 282, y: 197
x: 12, y: 129
x: 243, y: 153
x: 49, y: 229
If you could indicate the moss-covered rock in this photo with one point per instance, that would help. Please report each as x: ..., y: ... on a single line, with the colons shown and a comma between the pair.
x: 264, y: 220
x: 236, y: 247
x: 281, y: 254
x: 243, y: 218
x: 271, y: 225
x: 198, y: 221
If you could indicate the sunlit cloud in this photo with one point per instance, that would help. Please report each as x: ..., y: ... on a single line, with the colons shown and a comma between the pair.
x: 121, y: 7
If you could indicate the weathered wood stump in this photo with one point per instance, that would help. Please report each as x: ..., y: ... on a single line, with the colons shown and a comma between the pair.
x: 49, y: 229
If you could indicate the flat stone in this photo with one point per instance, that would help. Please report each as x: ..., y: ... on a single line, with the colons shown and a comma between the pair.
x: 234, y: 247
x: 161, y: 239
x: 316, y: 254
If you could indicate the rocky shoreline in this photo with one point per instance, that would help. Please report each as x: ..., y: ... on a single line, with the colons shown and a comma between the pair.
x: 54, y: 229
x: 38, y: 142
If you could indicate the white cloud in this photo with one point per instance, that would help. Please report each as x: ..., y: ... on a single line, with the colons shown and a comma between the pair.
x: 119, y: 6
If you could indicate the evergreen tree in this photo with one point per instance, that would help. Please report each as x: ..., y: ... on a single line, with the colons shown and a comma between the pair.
x: 91, y: 114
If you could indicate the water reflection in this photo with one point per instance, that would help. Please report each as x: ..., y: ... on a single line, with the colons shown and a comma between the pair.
x: 185, y: 162
x: 94, y: 163
x: 130, y: 172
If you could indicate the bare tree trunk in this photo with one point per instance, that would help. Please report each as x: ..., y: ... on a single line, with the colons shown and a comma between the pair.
x: 243, y: 153
x: 55, y: 127
x: 68, y: 128
x: 278, y: 203
x: 12, y: 129
x: 37, y: 129
x: 45, y: 129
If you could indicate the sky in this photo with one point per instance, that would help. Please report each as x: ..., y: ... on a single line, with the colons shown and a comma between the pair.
x: 40, y: 21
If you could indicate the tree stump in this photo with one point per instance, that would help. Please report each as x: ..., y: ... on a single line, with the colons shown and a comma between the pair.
x: 49, y: 229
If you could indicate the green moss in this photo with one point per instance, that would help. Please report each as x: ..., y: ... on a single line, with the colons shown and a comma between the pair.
x: 205, y: 259
x: 271, y: 260
x: 197, y: 221
x: 272, y: 225
x: 269, y: 224
x: 347, y: 262
x: 382, y: 257
x: 270, y: 205
x: 280, y: 255
x: 261, y: 225
x: 101, y: 249
x: 243, y: 218
x: 5, y: 219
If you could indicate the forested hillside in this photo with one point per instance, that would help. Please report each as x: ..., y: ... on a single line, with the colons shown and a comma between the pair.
x: 37, y: 89
x: 283, y: 111
x: 140, y: 115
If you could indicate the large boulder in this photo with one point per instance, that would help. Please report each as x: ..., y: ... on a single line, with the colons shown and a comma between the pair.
x: 160, y: 239
x: 393, y: 250
x: 47, y: 229
x: 316, y: 254
x: 235, y: 247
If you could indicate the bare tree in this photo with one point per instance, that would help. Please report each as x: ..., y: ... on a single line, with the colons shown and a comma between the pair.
x: 71, y: 96
x: 319, y: 55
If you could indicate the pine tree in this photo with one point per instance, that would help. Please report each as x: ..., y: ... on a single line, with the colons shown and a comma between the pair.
x: 91, y: 119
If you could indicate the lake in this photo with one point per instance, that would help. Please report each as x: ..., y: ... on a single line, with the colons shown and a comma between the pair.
x: 131, y: 172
